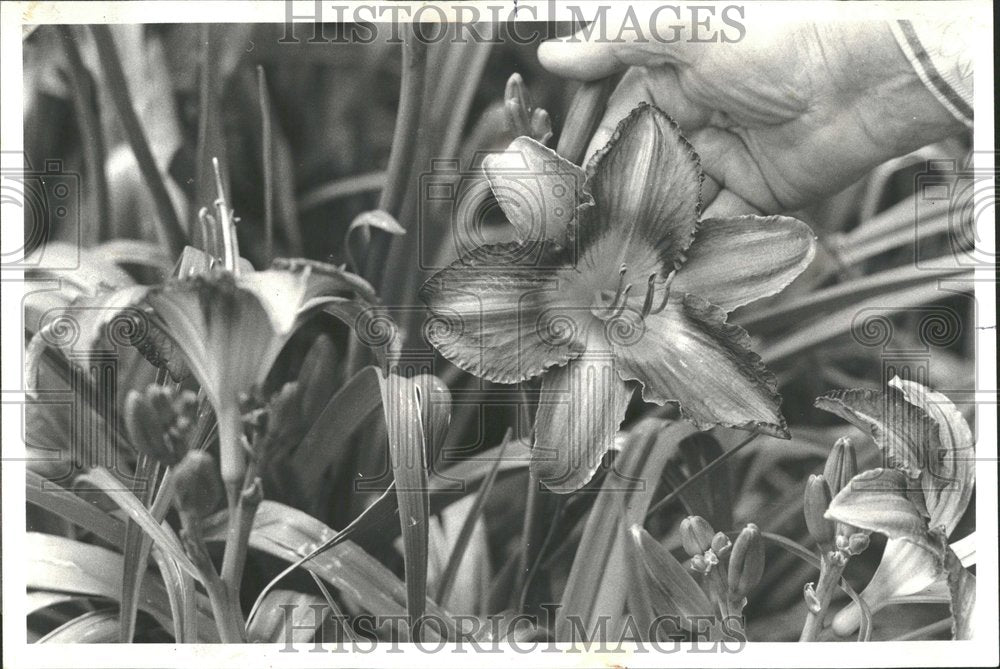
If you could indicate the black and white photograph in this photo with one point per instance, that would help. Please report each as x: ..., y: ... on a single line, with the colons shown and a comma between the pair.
x: 567, y: 333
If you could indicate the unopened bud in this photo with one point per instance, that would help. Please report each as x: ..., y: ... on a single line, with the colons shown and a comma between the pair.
x: 817, y: 500
x: 198, y: 485
x: 517, y: 106
x: 700, y: 564
x: 721, y: 544
x: 746, y: 564
x: 696, y: 535
x: 541, y: 125
x: 858, y: 543
x: 841, y: 465
x: 812, y: 601
x: 159, y: 422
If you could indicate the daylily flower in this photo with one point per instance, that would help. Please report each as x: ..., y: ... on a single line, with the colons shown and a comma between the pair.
x: 613, y: 279
x: 925, y: 437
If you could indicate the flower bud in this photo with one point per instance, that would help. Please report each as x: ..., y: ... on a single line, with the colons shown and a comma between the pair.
x: 517, y: 106
x: 746, y: 564
x: 696, y: 535
x: 817, y: 500
x: 721, y: 544
x: 198, y: 484
x: 812, y: 600
x: 700, y: 564
x: 858, y: 543
x: 841, y: 465
x: 541, y: 125
x: 159, y: 422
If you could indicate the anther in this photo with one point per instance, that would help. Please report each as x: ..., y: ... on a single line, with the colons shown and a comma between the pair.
x: 666, y: 293
x: 620, y: 307
x: 647, y: 304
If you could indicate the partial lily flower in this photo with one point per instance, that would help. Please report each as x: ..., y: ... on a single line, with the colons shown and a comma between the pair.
x: 614, y: 279
x: 225, y: 322
x: 924, y: 436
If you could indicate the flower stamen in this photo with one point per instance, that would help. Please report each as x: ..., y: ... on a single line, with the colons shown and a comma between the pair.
x: 617, y: 307
x: 649, y: 295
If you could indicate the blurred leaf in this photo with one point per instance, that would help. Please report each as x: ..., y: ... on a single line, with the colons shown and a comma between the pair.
x: 962, y: 588
x: 290, y: 535
x: 285, y: 610
x: 135, y: 252
x: 181, y: 594
x: 327, y: 444
x: 65, y: 565
x: 598, y: 580
x: 130, y: 504
x: 408, y: 455
x: 670, y: 587
x: 92, y: 627
x: 135, y: 549
x: 52, y: 497
x: 148, y: 120
x: 472, y: 522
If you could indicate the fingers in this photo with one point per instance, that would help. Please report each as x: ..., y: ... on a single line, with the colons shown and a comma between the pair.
x: 727, y: 160
x: 659, y: 86
x: 728, y: 203
x: 612, y: 43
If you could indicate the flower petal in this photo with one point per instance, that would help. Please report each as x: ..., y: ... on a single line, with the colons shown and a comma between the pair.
x: 735, y: 261
x: 498, y: 312
x: 950, y: 474
x: 689, y: 354
x: 903, y: 432
x: 646, y: 187
x: 581, y: 406
x: 905, y: 568
x: 537, y: 189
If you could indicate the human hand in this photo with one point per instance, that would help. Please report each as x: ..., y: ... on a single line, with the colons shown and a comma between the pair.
x: 795, y: 111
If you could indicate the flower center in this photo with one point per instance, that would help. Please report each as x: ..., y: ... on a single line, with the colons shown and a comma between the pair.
x: 608, y: 306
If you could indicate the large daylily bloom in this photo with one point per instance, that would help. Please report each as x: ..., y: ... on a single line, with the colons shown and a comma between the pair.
x: 613, y: 279
x: 224, y: 327
x: 923, y: 435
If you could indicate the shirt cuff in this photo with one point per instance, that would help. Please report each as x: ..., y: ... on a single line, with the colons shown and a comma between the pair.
x: 938, y: 53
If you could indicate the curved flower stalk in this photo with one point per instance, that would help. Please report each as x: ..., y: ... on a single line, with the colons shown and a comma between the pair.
x: 614, y: 279
x: 927, y: 439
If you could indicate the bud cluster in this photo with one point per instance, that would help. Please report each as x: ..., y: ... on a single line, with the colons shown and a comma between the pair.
x: 160, y: 421
x: 731, y: 569
x: 832, y: 536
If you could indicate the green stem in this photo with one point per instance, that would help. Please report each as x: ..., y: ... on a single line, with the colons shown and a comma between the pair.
x: 237, y: 542
x: 831, y: 569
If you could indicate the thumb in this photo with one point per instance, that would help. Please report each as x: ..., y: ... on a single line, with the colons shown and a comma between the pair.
x: 618, y: 38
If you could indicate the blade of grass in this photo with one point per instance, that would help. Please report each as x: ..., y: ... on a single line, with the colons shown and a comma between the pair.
x: 267, y: 149
x: 783, y: 317
x: 136, y: 551
x: 462, y: 542
x: 91, y: 132
x: 169, y: 230
x: 211, y: 141
x: 131, y: 505
x: 54, y: 498
x: 708, y: 469
x: 401, y: 405
x: 842, y: 321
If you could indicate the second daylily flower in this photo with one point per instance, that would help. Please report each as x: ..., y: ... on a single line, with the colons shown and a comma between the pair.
x: 614, y: 279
